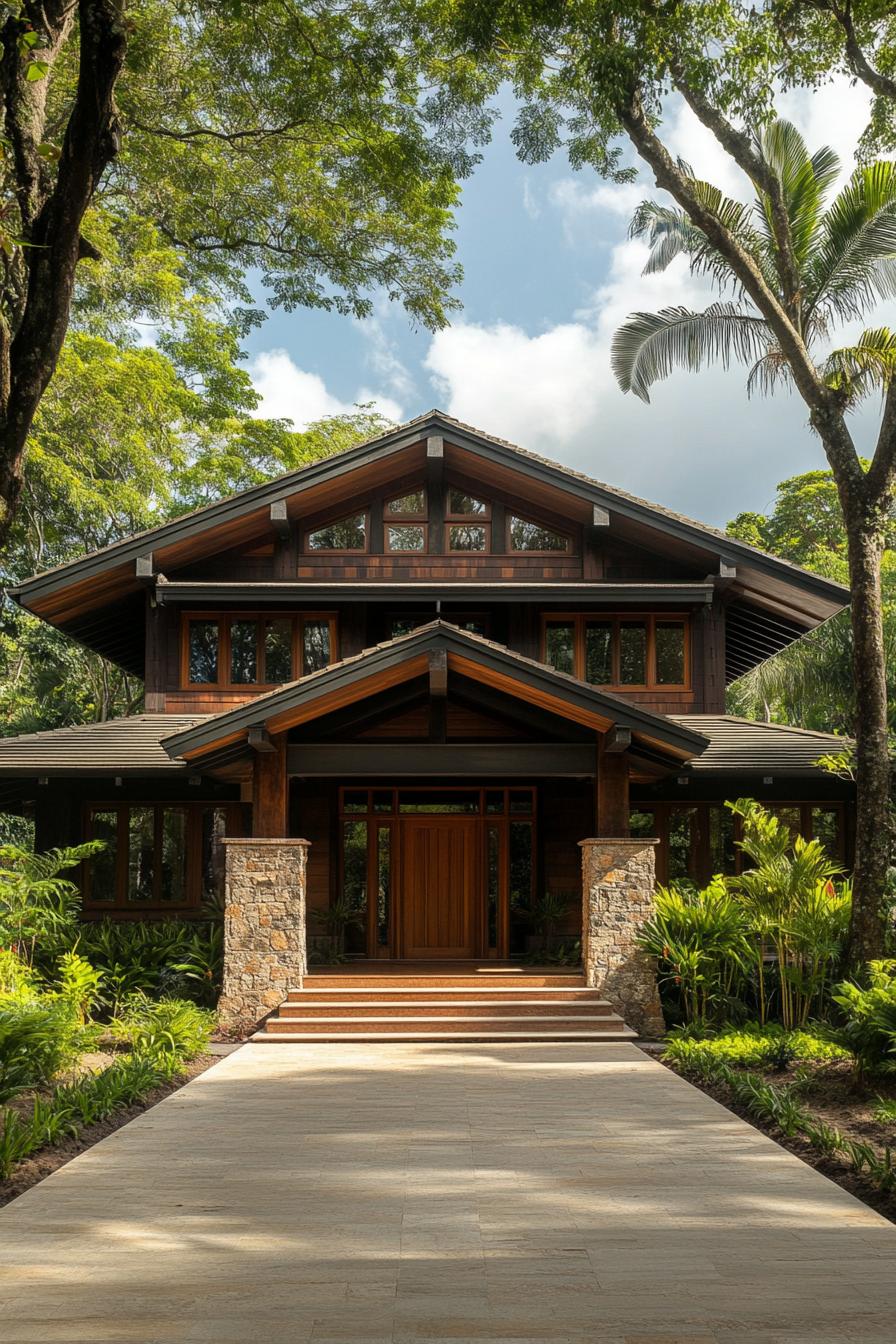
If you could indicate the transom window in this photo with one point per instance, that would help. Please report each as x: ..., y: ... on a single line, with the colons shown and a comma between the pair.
x: 406, y: 538
x: 526, y: 535
x: 163, y: 855
x: 648, y: 652
x: 344, y: 534
x: 463, y: 505
x: 247, y: 650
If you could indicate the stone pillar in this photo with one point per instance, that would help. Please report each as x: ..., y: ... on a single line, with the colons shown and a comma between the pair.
x: 264, y: 927
x: 618, y: 879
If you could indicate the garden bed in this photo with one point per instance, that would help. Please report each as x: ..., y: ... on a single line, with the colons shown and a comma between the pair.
x: 820, y: 1100
x: 32, y: 1170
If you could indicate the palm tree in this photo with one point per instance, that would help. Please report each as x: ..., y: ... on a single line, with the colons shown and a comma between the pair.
x: 827, y: 262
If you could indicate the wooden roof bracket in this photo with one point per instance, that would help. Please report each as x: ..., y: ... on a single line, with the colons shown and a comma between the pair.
x: 144, y: 570
x: 280, y: 519
x: 600, y: 517
x: 726, y: 576
x: 617, y: 740
x: 259, y: 739
x: 438, y: 673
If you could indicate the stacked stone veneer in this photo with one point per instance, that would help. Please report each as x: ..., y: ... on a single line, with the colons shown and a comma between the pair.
x: 264, y: 927
x: 618, y: 881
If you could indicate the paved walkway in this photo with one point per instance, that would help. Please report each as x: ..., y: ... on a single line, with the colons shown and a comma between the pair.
x: 443, y: 1193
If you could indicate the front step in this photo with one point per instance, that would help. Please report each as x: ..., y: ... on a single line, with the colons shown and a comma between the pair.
x: 383, y: 1007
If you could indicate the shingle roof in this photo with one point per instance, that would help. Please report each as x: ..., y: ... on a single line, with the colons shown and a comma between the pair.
x: 747, y: 747
x: 130, y: 746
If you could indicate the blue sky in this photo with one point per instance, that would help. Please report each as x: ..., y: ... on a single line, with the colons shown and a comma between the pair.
x: 548, y: 275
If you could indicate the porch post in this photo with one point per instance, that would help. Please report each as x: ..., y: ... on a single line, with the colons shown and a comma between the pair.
x: 617, y: 884
x: 264, y: 927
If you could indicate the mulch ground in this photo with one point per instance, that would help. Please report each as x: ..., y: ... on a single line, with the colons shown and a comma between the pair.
x: 44, y: 1163
x: 831, y: 1094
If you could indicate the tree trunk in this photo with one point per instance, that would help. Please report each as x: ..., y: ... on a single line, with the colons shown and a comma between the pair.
x: 872, y: 768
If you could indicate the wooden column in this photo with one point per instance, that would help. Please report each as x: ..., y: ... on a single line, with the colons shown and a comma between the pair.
x: 435, y: 492
x: 611, y: 790
x: 270, y: 789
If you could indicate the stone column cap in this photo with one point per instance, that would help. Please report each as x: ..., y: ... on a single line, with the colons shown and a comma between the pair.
x: 637, y: 842
x: 263, y: 840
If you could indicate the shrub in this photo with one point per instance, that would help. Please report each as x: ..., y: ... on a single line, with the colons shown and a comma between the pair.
x: 171, y: 957
x: 701, y: 942
x: 17, y: 978
x: 171, y: 1026
x: 38, y: 1037
x: 753, y: 1047
x: 36, y: 904
x: 885, y: 1112
x: 78, y: 983
x: 868, y: 1030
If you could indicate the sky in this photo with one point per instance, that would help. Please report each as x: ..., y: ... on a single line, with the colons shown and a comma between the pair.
x: 549, y: 274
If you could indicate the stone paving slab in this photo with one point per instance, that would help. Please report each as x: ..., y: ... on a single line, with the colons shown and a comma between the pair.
x: 442, y: 1194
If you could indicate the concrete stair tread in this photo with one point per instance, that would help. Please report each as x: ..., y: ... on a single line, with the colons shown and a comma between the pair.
x: 621, y: 1033
x: 462, y: 990
x: 492, y: 1017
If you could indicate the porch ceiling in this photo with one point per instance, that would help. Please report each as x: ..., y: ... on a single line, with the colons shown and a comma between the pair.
x: 453, y: 652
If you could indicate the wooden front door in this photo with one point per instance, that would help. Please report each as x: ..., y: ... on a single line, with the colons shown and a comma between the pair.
x: 440, y: 887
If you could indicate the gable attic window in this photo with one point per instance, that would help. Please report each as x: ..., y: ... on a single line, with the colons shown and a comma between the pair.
x: 344, y: 534
x: 410, y: 505
x: 406, y: 538
x: 470, y: 529
x: 528, y: 536
x: 243, y: 649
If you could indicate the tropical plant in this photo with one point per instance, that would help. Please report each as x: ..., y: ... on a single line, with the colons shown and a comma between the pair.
x: 38, y: 1037
x: 337, y: 918
x: 793, y: 908
x: 547, y: 911
x: 885, y: 1111
x: 36, y: 904
x: 868, y: 1028
x: 78, y: 983
x: 171, y: 957
x: 169, y: 1026
x: 700, y: 939
x: 17, y: 978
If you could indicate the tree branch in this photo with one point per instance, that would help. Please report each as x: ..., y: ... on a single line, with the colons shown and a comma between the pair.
x: 858, y: 61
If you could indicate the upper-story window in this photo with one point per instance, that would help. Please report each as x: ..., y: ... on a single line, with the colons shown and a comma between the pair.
x: 468, y: 520
x: 525, y: 535
x: 343, y: 534
x: 633, y: 652
x: 241, y: 650
x: 410, y: 505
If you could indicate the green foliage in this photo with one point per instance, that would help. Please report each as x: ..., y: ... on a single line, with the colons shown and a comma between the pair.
x: 173, y: 1026
x: 868, y: 1029
x: 701, y: 942
x: 842, y: 252
x: 165, y: 957
x: 885, y: 1111
x: 78, y: 983
x: 17, y: 978
x: 793, y: 906
x: 36, y: 904
x: 753, y: 1047
x: 38, y: 1037
x: 337, y: 918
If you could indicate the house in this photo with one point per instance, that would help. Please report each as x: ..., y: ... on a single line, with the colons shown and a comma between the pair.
x: 407, y: 683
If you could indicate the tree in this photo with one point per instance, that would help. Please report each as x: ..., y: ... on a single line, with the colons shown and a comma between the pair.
x: 810, y: 683
x: 304, y: 139
x: 590, y: 72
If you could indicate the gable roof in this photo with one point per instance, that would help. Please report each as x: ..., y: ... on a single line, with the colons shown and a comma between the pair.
x: 129, y: 747
x: 406, y: 656
x: 818, y: 596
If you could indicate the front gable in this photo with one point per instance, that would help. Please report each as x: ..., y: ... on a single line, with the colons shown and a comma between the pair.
x: 432, y: 503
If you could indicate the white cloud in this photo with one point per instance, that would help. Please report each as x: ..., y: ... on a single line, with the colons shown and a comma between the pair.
x: 531, y: 203
x: 287, y: 392
x: 381, y: 355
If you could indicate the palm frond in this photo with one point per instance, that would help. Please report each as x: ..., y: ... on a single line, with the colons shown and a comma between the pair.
x: 668, y: 232
x: 856, y: 370
x: 853, y: 264
x: 769, y: 372
x: 805, y: 181
x: 648, y: 346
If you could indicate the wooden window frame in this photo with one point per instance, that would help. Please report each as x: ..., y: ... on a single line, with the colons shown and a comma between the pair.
x: 389, y: 523
x: 308, y: 531
x: 700, y: 850
x: 423, y: 517
x: 225, y: 619
x: 548, y: 527
x: 466, y: 517
x: 468, y: 521
x: 193, y: 808
x: 579, y: 620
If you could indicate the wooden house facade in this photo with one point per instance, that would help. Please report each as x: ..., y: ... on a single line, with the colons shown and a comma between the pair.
x: 444, y: 662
